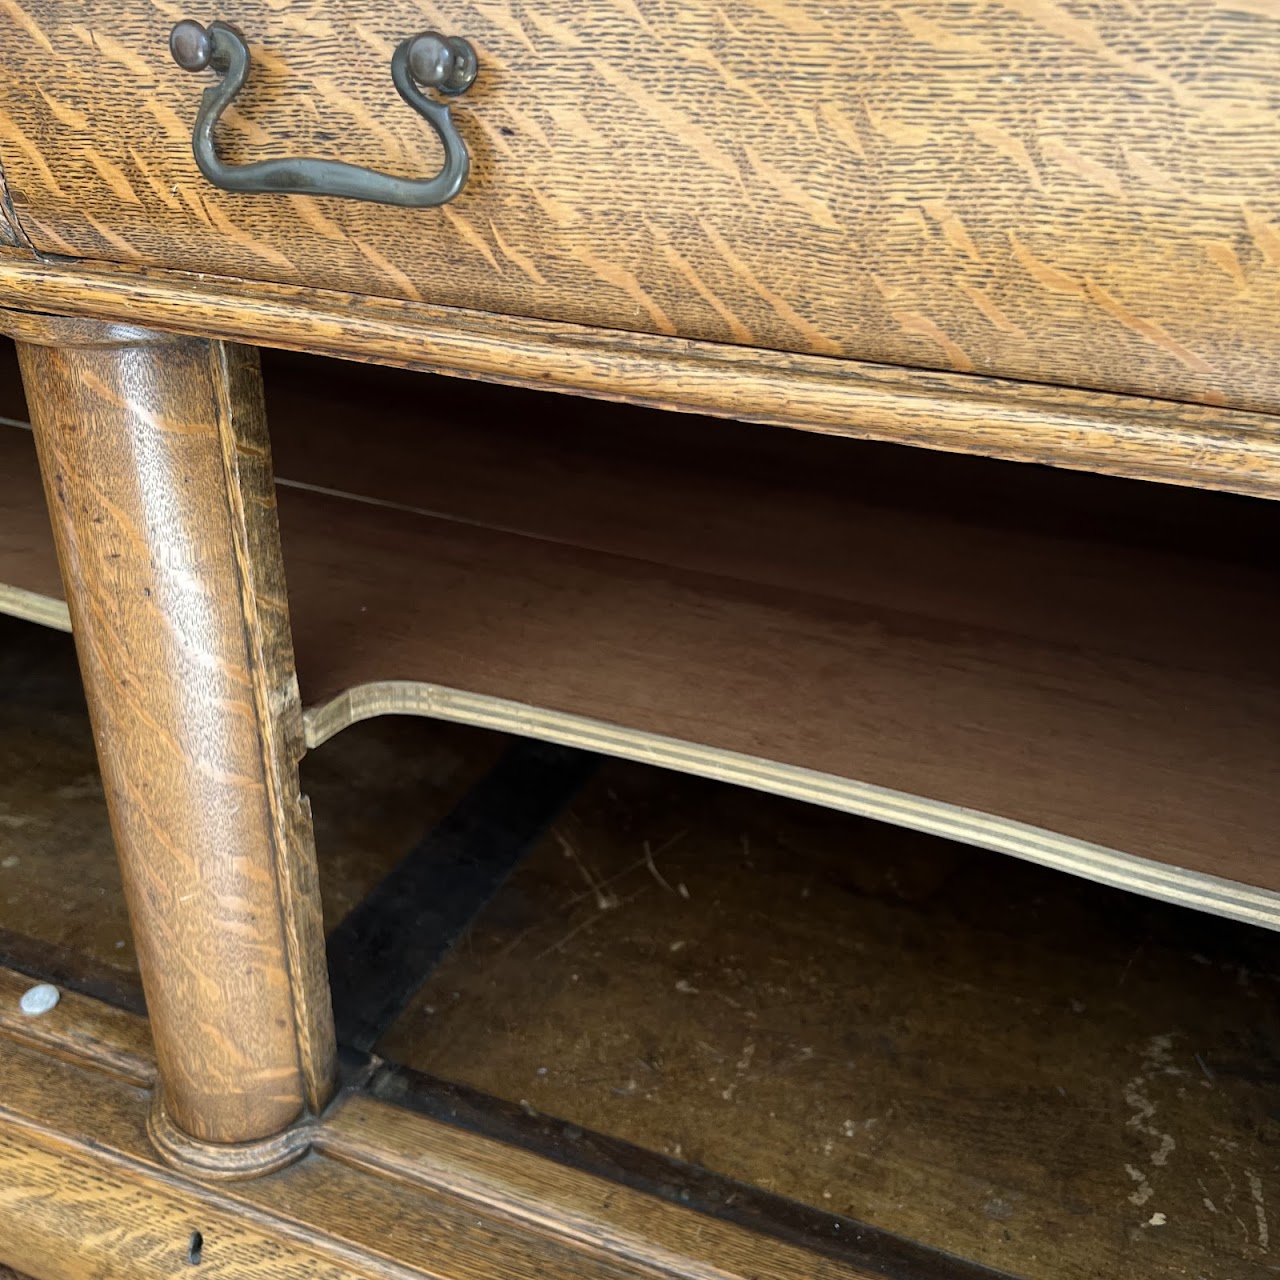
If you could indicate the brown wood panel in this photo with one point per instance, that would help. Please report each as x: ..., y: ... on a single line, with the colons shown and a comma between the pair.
x: 1055, y: 554
x: 1106, y: 581
x: 1048, y: 190
x: 157, y: 471
x: 1174, y: 761
x: 30, y: 584
x: 1093, y: 431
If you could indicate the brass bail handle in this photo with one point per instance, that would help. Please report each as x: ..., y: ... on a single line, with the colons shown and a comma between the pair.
x: 446, y: 64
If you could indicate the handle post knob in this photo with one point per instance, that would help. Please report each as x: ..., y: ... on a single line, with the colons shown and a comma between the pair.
x: 444, y: 63
x: 190, y: 45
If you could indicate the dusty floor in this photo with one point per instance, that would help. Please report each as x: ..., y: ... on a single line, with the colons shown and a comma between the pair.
x: 1019, y: 1067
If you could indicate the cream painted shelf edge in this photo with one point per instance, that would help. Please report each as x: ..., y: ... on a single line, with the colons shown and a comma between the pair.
x: 33, y: 607
x: 1113, y: 867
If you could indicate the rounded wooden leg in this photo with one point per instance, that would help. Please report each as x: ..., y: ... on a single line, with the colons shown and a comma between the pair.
x: 158, y: 477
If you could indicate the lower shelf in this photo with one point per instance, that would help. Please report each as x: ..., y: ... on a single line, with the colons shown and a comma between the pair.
x: 1105, y: 866
x: 1073, y: 670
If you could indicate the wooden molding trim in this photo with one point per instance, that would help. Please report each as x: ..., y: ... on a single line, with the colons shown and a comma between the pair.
x: 1130, y: 436
x: 44, y: 330
x: 1113, y: 867
x: 223, y: 1162
x: 250, y: 493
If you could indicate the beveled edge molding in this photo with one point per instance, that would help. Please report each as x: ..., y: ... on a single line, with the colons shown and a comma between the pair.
x: 224, y: 1162
x: 1113, y: 867
x: 1126, y: 435
x: 47, y: 611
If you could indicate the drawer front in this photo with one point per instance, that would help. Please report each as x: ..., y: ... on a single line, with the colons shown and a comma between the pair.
x: 1068, y: 192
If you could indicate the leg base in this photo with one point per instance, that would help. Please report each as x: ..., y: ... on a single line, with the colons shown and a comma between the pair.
x: 224, y: 1162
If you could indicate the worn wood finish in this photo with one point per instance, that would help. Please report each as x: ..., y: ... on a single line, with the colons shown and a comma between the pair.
x: 82, y: 1194
x: 1127, y: 436
x: 80, y: 1030
x: 157, y: 472
x: 601, y: 1218
x: 1059, y: 192
x: 1025, y: 1070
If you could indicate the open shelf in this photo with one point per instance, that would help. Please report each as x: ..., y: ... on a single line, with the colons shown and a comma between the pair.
x: 1073, y: 669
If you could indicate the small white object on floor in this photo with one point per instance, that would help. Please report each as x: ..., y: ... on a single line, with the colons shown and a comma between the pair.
x: 39, y: 999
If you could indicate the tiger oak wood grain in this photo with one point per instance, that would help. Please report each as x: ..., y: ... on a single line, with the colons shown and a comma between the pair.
x: 11, y: 234
x: 922, y: 623
x: 1123, y: 435
x: 157, y: 474
x: 1048, y: 190
x: 82, y: 1195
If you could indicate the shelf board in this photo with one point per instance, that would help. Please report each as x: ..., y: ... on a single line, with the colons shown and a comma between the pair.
x: 30, y: 585
x: 1076, y: 671
x: 1060, y: 666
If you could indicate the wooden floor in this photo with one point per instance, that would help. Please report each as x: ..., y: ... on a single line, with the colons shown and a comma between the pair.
x: 1024, y: 1069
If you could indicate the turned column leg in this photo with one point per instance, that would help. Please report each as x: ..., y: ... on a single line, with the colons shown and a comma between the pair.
x: 158, y: 476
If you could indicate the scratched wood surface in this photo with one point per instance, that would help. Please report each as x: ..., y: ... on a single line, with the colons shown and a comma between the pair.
x: 1051, y: 190
x: 1166, y: 440
x: 83, y: 1195
x: 1034, y: 1072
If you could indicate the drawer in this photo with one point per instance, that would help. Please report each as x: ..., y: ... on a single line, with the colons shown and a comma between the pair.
x: 1076, y: 193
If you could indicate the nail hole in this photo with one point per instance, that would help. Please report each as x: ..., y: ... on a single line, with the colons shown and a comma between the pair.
x: 195, y: 1248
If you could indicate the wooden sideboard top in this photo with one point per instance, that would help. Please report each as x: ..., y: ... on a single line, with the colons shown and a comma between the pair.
x: 1082, y: 195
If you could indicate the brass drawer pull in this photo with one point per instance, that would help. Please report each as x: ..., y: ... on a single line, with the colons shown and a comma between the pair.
x: 444, y: 63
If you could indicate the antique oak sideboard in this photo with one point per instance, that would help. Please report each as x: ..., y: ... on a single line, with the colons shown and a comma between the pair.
x: 1040, y: 231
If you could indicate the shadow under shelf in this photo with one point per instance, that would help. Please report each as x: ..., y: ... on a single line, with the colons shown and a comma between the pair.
x: 1074, y: 669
